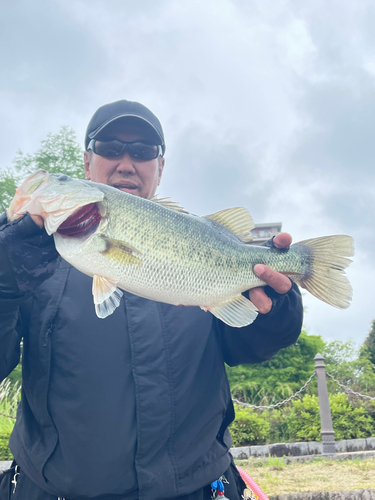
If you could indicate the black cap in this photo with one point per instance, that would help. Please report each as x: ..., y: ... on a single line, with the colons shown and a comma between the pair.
x: 125, y: 109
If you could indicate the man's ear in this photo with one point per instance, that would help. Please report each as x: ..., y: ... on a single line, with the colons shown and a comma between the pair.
x: 86, y: 162
x: 161, y: 168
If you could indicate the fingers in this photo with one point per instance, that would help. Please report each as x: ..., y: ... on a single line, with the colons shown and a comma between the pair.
x: 282, y: 240
x: 280, y: 283
x: 38, y: 220
x: 277, y: 281
x: 260, y: 300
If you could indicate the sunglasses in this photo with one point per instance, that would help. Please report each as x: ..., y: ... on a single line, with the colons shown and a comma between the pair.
x: 114, y: 149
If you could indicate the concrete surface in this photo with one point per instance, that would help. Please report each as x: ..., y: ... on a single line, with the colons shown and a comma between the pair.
x: 332, y: 456
x: 331, y: 495
x: 302, y: 448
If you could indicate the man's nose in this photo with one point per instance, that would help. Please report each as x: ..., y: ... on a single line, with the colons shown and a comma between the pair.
x: 126, y: 163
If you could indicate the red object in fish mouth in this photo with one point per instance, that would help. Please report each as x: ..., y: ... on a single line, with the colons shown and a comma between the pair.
x: 83, y: 222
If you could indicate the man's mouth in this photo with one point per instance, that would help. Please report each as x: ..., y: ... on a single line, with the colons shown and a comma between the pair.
x: 125, y: 186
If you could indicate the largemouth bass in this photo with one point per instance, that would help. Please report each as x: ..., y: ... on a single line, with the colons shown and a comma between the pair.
x: 153, y: 248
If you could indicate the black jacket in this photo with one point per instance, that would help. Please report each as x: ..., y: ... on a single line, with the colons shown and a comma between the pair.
x: 132, y: 406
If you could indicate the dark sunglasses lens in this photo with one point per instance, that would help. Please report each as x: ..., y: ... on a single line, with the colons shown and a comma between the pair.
x: 141, y: 151
x: 109, y: 149
x: 138, y: 150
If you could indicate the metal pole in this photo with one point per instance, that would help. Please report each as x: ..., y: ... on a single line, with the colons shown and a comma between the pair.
x: 327, y: 432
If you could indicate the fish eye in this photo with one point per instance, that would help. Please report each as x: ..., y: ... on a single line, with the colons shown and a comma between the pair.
x: 63, y: 178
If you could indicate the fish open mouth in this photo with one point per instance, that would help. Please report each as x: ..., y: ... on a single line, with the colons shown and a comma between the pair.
x: 82, y: 223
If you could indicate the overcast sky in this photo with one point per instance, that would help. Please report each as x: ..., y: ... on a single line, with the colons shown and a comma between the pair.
x: 265, y: 104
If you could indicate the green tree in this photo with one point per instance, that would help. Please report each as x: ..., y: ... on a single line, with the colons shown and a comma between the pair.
x: 341, y: 360
x: 8, y: 183
x: 279, y: 377
x: 368, y: 347
x: 58, y: 153
x: 351, y: 367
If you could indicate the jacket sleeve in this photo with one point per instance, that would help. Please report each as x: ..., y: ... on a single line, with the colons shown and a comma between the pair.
x: 27, y: 257
x: 268, y: 334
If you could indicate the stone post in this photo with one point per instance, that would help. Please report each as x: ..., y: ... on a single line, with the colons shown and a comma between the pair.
x: 327, y: 432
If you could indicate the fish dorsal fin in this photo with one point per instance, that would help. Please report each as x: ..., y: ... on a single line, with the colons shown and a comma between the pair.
x: 238, y: 220
x: 237, y: 312
x: 168, y: 203
x: 106, y: 294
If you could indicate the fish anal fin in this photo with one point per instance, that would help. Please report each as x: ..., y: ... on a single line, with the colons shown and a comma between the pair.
x: 237, y: 220
x: 168, y: 203
x: 121, y: 252
x: 106, y: 294
x: 237, y: 312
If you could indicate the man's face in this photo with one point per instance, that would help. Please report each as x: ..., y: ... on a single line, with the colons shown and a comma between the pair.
x: 140, y: 178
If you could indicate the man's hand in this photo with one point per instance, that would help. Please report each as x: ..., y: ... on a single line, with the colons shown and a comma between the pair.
x: 279, y: 282
x: 38, y: 220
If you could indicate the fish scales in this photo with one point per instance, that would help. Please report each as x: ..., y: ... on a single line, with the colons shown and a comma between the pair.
x: 155, y: 249
x: 174, y: 263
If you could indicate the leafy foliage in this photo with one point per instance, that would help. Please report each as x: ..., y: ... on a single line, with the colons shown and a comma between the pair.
x: 279, y: 377
x: 9, y: 397
x: 58, y: 153
x: 8, y: 183
x: 5, y: 453
x: 350, y: 367
x: 249, y: 427
x: 285, y: 373
x: 368, y: 348
x: 300, y: 421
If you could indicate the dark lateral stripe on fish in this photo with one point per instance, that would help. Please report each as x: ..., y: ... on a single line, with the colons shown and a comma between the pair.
x: 83, y: 221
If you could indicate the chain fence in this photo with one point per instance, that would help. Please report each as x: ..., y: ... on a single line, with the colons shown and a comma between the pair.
x: 280, y: 403
x: 348, y: 389
x: 345, y: 388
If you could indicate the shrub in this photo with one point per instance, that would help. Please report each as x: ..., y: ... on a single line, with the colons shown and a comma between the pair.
x: 303, y: 419
x: 350, y: 421
x: 300, y: 421
x: 249, y: 428
x: 5, y: 453
x: 9, y: 397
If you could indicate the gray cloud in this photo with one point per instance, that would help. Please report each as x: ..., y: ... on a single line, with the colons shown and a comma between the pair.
x: 267, y: 105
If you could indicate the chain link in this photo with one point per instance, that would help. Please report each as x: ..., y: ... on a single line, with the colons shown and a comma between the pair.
x: 347, y: 389
x: 280, y: 403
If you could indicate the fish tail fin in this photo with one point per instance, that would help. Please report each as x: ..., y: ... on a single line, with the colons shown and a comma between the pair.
x: 325, y: 277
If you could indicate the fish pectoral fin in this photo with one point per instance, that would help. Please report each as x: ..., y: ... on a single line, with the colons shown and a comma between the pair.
x: 106, y: 295
x: 121, y: 252
x: 237, y: 220
x: 237, y: 312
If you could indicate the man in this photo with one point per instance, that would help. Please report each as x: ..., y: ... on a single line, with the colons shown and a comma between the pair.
x: 136, y: 405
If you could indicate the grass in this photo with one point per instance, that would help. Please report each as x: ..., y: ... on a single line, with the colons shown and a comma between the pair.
x: 9, y: 396
x: 276, y: 477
